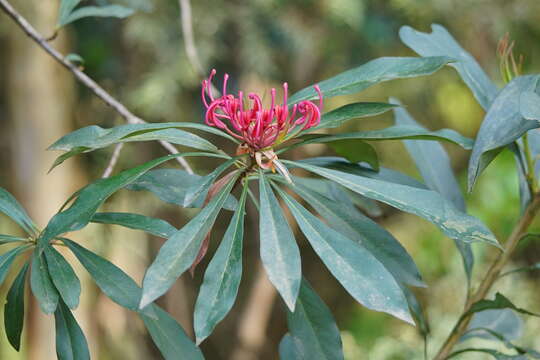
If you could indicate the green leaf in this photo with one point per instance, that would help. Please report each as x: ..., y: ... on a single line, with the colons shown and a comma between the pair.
x: 529, y: 105
x: 174, y: 186
x: 157, y: 227
x: 371, y: 73
x: 279, y: 251
x: 79, y: 214
x: 116, y: 11
x: 41, y: 284
x: 520, y: 350
x: 9, y: 239
x: 396, y: 132
x: 500, y: 302
x: 66, y: 8
x: 343, y: 217
x: 502, y: 125
x: 535, y: 266
x: 288, y: 349
x: 441, y: 43
x: 7, y: 258
x: 63, y: 277
x: 434, y: 164
x: 179, y: 252
x: 356, y: 151
x: 60, y: 159
x: 75, y: 59
x: 222, y: 277
x: 313, y: 327
x: 383, y: 174
x: 360, y: 273
x: 14, y: 309
x: 340, y: 116
x: 11, y: 207
x: 70, y: 340
x: 114, y: 283
x: 425, y: 203
x: 503, y: 321
x: 496, y: 354
x: 170, y: 337
x: 417, y: 313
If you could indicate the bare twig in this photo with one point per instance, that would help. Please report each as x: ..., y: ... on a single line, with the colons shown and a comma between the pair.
x: 187, y: 31
x: 489, y: 279
x: 114, y: 159
x: 81, y: 76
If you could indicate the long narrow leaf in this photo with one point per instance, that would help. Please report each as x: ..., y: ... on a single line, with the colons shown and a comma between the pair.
x: 11, y: 207
x: 71, y: 343
x: 64, y: 278
x: 14, y: 309
x: 157, y: 227
x: 340, y: 116
x: 6, y: 260
x: 116, y: 11
x: 41, y: 284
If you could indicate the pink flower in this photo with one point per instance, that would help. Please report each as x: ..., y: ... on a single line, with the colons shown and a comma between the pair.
x: 258, y: 128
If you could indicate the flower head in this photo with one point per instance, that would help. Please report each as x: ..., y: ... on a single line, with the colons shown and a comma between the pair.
x: 258, y: 128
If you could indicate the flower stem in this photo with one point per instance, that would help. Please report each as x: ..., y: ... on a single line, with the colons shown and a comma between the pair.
x: 520, y: 229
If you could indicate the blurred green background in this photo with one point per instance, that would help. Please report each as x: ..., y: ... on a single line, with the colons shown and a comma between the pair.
x: 260, y: 43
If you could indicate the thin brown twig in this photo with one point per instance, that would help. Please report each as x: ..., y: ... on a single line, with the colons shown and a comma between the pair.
x: 81, y: 76
x: 114, y: 159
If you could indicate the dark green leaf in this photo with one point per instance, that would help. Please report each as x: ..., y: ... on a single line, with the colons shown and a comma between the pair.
x: 222, y: 277
x: 116, y: 11
x: 279, y: 251
x: 396, y: 132
x: 288, y: 349
x: 502, y: 125
x: 425, y: 203
x: 79, y: 214
x: 383, y: 174
x: 11, y: 207
x: 9, y: 239
x: 343, y: 217
x: 169, y: 337
x: 114, y: 283
x: 356, y: 151
x: 340, y: 116
x: 157, y: 227
x: 416, y: 312
x: 441, y: 43
x: 60, y: 159
x: 364, y: 277
x: 371, y: 73
x: 63, y: 277
x: 70, y: 341
x: 179, y: 252
x: 434, y: 164
x: 500, y: 302
x: 41, y: 284
x: 174, y: 185
x: 6, y: 260
x: 313, y: 327
x: 14, y: 309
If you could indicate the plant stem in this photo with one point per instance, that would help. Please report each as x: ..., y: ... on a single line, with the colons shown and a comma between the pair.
x: 489, y: 279
x: 530, y: 164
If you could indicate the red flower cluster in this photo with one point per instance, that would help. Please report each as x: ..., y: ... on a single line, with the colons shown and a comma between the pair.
x: 258, y: 128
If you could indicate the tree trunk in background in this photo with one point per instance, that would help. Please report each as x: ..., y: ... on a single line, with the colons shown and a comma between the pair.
x: 40, y: 104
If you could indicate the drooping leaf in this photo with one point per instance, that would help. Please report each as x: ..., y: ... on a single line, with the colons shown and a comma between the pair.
x: 371, y: 73
x: 502, y: 125
x: 41, y: 284
x: 170, y: 337
x: 356, y: 151
x: 434, y: 164
x: 497, y: 355
x: 341, y: 115
x: 417, y: 313
x: 71, y: 343
x: 112, y: 281
x: 288, y: 349
x: 500, y: 302
x: 535, y: 266
x: 63, y: 277
x: 344, y: 218
x: 520, y: 350
x: 179, y: 252
x: 279, y: 252
x: 116, y: 11
x: 425, y: 203
x: 383, y: 174
x: 66, y: 8
x: 313, y: 327
x: 503, y: 321
x: 79, y: 214
x: 360, y: 273
x: 157, y: 227
x: 174, y: 185
x: 525, y: 195
x: 11, y: 207
x: 396, y: 132
x: 14, y: 309
x: 440, y: 43
x: 7, y: 258
x: 222, y: 277
x: 9, y: 239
